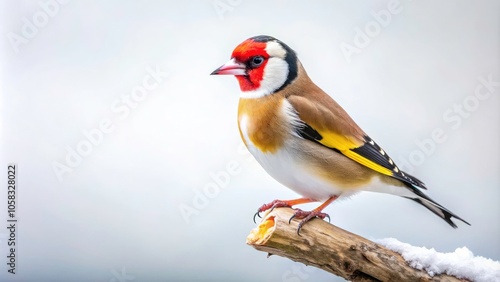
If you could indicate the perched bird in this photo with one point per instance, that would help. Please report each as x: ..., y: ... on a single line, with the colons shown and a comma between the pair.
x: 304, y: 139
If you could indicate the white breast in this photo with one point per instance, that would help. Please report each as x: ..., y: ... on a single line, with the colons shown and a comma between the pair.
x: 285, y: 166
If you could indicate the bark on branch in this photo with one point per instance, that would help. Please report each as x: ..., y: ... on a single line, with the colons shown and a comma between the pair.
x: 333, y: 249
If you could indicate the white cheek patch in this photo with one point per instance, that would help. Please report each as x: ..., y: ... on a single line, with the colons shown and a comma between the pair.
x: 274, y: 49
x: 275, y: 75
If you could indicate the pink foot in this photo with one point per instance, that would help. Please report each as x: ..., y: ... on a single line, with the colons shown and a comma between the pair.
x: 306, y: 216
x: 272, y: 205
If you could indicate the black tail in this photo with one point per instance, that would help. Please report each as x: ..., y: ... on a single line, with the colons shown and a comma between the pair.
x: 434, y: 207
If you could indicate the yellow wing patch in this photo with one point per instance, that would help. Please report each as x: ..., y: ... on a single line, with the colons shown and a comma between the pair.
x: 366, y: 162
x: 344, y: 145
x: 337, y: 141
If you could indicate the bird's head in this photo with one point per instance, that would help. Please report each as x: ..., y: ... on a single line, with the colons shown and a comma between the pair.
x: 262, y: 64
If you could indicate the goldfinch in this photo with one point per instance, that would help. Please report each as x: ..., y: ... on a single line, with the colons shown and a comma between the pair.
x: 304, y: 139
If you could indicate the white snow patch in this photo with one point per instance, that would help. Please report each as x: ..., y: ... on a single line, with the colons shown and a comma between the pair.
x: 462, y: 263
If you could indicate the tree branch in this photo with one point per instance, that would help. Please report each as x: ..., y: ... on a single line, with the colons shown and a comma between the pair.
x: 332, y: 249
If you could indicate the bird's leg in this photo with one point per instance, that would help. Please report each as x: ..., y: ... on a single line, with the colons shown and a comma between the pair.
x: 308, y: 215
x: 281, y: 203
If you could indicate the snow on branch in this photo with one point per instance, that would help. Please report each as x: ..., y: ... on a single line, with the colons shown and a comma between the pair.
x: 462, y: 263
x: 355, y: 258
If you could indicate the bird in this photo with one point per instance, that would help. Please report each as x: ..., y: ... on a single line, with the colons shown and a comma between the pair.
x: 305, y: 140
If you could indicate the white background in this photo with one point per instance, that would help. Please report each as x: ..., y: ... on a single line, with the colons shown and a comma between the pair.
x: 117, y: 215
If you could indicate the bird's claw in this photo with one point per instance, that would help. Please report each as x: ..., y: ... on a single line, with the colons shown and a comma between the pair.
x: 271, y: 206
x: 256, y: 214
x: 307, y: 216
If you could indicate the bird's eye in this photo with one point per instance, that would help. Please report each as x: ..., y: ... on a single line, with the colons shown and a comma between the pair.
x: 256, y: 61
